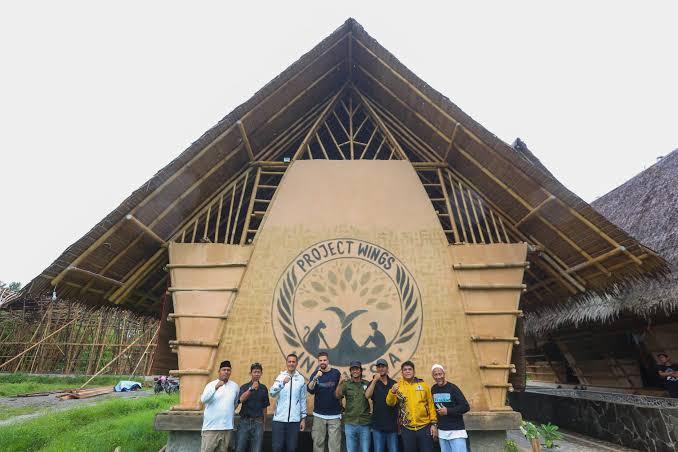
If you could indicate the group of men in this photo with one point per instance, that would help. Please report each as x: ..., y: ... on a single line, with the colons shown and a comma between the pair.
x: 374, y: 412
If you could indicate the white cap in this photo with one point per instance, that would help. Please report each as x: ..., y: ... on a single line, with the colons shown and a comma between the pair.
x: 437, y: 366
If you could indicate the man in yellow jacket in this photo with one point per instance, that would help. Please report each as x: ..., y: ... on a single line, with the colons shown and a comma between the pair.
x: 416, y: 410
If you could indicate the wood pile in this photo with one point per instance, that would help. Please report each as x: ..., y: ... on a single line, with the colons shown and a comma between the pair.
x: 84, y: 393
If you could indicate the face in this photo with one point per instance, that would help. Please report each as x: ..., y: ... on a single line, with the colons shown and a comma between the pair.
x: 408, y: 372
x: 382, y: 370
x: 356, y: 372
x: 323, y: 361
x: 663, y: 359
x: 291, y: 363
x: 256, y: 374
x: 224, y: 373
x: 438, y: 375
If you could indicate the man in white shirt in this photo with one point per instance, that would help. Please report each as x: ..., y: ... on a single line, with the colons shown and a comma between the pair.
x: 289, y: 417
x: 220, y: 397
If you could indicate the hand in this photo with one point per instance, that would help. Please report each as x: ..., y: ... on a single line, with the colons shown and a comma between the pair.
x: 220, y: 383
x: 442, y: 411
x: 318, y: 374
x: 394, y: 388
x: 302, y: 425
x: 286, y: 380
x: 255, y: 386
x: 434, y: 431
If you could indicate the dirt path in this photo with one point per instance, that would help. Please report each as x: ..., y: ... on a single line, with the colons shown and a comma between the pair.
x: 49, y: 403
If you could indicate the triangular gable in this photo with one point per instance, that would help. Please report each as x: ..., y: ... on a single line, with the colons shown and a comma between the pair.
x: 576, y: 251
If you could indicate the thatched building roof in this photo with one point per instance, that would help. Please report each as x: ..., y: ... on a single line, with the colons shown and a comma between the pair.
x: 576, y: 250
x: 645, y: 206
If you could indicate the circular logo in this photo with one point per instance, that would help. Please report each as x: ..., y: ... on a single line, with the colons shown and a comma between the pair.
x: 351, y: 299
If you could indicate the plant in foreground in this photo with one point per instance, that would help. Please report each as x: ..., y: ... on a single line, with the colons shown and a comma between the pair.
x: 550, y: 434
x: 511, y: 446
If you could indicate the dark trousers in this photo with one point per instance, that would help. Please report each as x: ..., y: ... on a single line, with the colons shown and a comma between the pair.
x: 284, y: 436
x: 250, y: 434
x: 417, y: 440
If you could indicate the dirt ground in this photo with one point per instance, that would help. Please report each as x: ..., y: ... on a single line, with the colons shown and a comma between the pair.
x: 50, y: 403
x: 571, y: 442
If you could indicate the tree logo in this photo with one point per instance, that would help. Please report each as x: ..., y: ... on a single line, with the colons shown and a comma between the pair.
x: 351, y: 299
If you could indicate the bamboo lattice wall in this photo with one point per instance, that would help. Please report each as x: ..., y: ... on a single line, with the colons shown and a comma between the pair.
x: 70, y: 338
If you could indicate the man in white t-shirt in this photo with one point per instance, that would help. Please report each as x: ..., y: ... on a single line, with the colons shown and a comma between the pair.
x: 219, y: 397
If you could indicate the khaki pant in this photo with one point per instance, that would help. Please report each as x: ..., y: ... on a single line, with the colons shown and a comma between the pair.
x: 215, y: 440
x: 323, y: 427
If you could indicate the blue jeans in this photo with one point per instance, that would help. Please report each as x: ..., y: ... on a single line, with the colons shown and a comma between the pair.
x: 384, y: 441
x: 453, y: 445
x: 250, y: 433
x: 284, y: 436
x: 357, y: 438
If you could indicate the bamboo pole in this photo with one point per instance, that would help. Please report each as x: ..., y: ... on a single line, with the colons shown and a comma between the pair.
x: 36, y: 344
x: 316, y: 124
x: 245, y: 139
x: 111, y: 362
x: 448, y: 205
x: 250, y: 207
x: 380, y: 123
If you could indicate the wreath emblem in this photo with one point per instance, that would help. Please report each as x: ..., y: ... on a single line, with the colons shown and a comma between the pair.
x: 360, y: 305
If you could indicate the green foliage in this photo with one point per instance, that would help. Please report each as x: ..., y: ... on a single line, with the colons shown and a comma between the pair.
x: 529, y: 430
x: 550, y: 434
x: 13, y: 384
x: 127, y: 423
x: 511, y: 446
x: 15, y: 286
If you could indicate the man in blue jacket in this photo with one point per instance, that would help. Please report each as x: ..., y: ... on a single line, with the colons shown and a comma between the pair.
x: 326, y: 407
x: 290, y: 410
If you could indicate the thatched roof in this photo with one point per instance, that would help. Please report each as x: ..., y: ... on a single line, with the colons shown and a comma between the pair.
x: 120, y: 260
x: 646, y: 207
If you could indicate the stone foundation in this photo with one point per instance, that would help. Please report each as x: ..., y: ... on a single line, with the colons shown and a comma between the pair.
x: 640, y: 422
x: 486, y: 430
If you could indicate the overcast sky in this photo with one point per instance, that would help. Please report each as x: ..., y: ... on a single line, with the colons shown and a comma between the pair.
x: 94, y: 100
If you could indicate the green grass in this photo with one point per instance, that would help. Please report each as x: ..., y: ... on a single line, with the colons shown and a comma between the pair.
x: 127, y: 423
x: 13, y: 384
x: 7, y: 412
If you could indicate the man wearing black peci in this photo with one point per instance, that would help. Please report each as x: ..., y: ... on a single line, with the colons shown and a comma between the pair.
x: 254, y: 399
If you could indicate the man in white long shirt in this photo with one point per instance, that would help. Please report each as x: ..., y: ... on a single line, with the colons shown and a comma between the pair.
x: 289, y: 417
x: 219, y: 397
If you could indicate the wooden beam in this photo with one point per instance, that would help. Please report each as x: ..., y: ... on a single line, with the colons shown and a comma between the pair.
x: 148, y: 231
x: 246, y: 140
x: 380, y: 123
x: 560, y: 273
x: 318, y: 122
x: 595, y: 260
x: 535, y: 210
x: 103, y: 278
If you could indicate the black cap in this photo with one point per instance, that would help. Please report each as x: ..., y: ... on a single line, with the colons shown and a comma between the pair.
x: 256, y: 366
x: 355, y: 364
x: 382, y: 362
x: 225, y: 364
